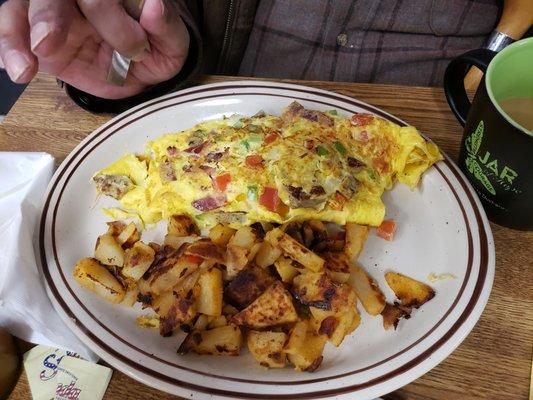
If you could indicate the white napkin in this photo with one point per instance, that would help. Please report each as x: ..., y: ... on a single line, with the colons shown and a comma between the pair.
x: 25, y: 310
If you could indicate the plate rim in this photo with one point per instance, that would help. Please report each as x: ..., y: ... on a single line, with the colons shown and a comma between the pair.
x: 481, y: 220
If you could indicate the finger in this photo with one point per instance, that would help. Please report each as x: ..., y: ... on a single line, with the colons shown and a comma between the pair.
x: 166, y: 30
x: 50, y: 21
x: 116, y: 27
x: 19, y: 62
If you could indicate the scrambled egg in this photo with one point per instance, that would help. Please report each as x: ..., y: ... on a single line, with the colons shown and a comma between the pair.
x: 304, y: 164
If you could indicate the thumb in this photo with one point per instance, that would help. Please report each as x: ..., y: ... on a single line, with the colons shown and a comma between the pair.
x: 166, y: 30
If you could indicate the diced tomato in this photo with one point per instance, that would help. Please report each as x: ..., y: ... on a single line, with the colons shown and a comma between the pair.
x: 386, y: 229
x: 221, y: 182
x: 271, y: 138
x: 269, y: 198
x: 361, y: 119
x: 254, y: 161
x: 194, y: 259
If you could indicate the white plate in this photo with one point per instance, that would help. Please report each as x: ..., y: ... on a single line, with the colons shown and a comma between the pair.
x: 442, y: 229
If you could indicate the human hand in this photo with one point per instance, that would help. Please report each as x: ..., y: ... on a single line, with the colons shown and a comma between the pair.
x: 74, y: 41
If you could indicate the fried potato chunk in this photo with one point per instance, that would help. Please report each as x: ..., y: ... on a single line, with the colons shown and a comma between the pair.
x: 286, y: 269
x: 221, y: 234
x: 108, y: 251
x: 333, y: 305
x: 92, y: 275
x: 274, y: 307
x: 267, y: 348
x: 355, y: 239
x: 182, y: 225
x: 137, y: 260
x: 170, y: 271
x: 296, y: 337
x: 247, y: 286
x: 244, y: 237
x: 174, y: 310
x: 337, y: 266
x: 267, y: 254
x: 307, y: 356
x: 410, y: 292
x: 128, y: 236
x: 225, y: 340
x: 209, y: 300
x: 367, y: 290
x: 336, y: 325
x: 295, y: 250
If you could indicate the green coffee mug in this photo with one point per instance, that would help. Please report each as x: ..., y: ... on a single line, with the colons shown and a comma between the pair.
x: 496, y: 151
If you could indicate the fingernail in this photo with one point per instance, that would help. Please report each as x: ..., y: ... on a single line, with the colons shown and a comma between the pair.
x: 146, y: 51
x: 16, y: 64
x: 162, y: 5
x: 38, y: 33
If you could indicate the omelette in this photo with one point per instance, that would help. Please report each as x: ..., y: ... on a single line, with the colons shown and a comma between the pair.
x: 305, y: 164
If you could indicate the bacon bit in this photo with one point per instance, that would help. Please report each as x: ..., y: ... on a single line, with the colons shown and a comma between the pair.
x: 209, y: 203
x: 269, y: 198
x: 254, y: 161
x: 363, y: 136
x: 214, y: 156
x: 197, y: 149
x: 271, y: 138
x: 318, y: 190
x: 291, y: 111
x: 361, y: 119
x: 381, y: 165
x: 172, y: 151
x: 221, y: 182
x: 295, y: 109
x: 354, y: 162
x: 193, y: 259
x: 166, y: 171
x: 207, y: 169
x: 386, y: 229
x: 317, y: 116
x: 309, y: 144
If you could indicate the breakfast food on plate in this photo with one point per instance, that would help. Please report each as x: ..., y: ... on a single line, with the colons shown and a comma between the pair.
x: 304, y: 164
x: 285, y: 291
x: 266, y: 219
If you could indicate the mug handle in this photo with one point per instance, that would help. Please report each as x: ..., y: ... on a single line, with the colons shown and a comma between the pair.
x: 454, y: 87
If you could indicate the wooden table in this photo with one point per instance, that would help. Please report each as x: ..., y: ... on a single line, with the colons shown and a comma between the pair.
x: 493, y: 362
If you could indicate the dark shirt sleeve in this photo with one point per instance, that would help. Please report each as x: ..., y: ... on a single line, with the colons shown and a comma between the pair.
x: 190, y: 68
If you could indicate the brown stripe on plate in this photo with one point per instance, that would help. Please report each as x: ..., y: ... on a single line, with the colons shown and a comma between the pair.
x: 157, y: 375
